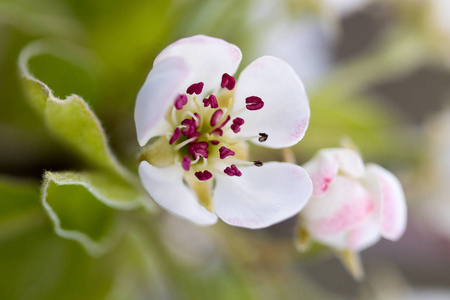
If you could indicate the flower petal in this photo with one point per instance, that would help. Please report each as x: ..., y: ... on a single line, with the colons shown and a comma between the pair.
x: 364, y: 235
x: 209, y: 57
x: 285, y: 115
x: 326, y: 164
x: 157, y: 95
x: 261, y: 196
x: 393, y: 204
x: 166, y: 187
x: 342, y: 206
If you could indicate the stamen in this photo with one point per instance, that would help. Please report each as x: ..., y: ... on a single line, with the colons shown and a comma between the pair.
x: 217, y: 131
x: 181, y: 145
x: 195, y: 88
x: 232, y: 171
x: 194, y: 116
x: 174, y: 115
x: 228, y: 81
x: 186, y: 163
x: 263, y: 137
x: 198, y: 149
x: 176, y: 134
x: 216, y: 117
x: 202, y: 176
x: 194, y: 135
x: 254, y: 103
x: 237, y: 123
x: 212, y: 101
x: 224, y: 152
x: 258, y: 163
x: 190, y: 126
x: 180, y: 101
x: 215, y: 142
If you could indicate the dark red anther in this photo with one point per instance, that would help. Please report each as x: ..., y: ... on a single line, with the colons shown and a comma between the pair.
x: 254, y: 103
x: 215, y: 142
x: 180, y: 101
x: 258, y: 163
x: 224, y: 152
x: 228, y: 81
x: 197, y: 149
x: 212, y: 101
x: 237, y: 123
x: 186, y: 163
x: 215, y: 118
x: 263, y: 137
x: 217, y: 131
x: 232, y: 171
x: 176, y: 134
x: 191, y: 126
x: 225, y: 122
x: 202, y: 176
x: 195, y: 88
x: 195, y: 134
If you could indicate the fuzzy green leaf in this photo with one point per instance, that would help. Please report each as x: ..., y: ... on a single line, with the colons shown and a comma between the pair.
x: 72, y: 202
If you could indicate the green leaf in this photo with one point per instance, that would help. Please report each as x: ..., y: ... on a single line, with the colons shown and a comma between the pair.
x: 35, y: 263
x: 81, y: 206
x: 71, y: 120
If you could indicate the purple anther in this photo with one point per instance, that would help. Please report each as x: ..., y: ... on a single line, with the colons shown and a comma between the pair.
x: 232, y: 171
x: 225, y: 122
x: 195, y: 134
x: 228, y: 81
x: 197, y: 149
x: 215, y: 142
x: 195, y: 88
x: 190, y: 126
x: 215, y: 118
x: 224, y: 152
x: 237, y: 123
x: 176, y: 134
x: 217, y: 131
x: 180, y: 101
x: 212, y: 101
x: 186, y: 163
x: 202, y: 176
x: 254, y: 103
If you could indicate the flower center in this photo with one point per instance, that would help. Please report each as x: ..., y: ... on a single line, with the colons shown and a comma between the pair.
x: 204, y: 134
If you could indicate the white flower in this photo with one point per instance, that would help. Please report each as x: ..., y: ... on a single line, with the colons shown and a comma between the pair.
x: 199, y: 119
x: 352, y: 205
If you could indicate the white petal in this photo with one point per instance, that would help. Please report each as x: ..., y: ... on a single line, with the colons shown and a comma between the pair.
x: 261, y: 196
x: 166, y: 187
x: 326, y: 164
x: 345, y: 204
x: 157, y: 95
x: 393, y: 204
x: 285, y: 115
x: 364, y: 234
x: 208, y: 57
